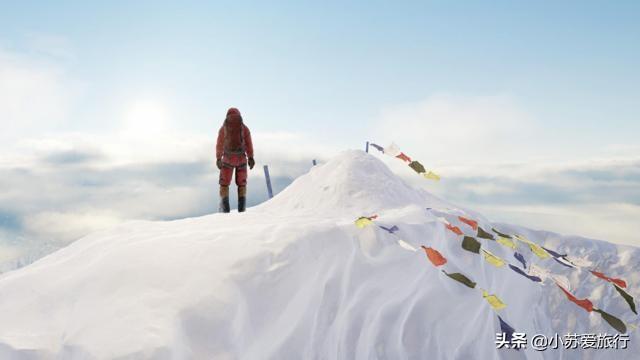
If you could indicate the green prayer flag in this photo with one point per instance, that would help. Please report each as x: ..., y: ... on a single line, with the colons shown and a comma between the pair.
x: 627, y: 298
x: 613, y: 321
x: 471, y: 244
x: 501, y: 234
x: 485, y: 235
x: 417, y: 167
x: 461, y: 278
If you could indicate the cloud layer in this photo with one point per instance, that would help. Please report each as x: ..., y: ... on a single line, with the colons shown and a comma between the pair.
x: 69, y: 185
x: 57, y: 185
x: 598, y: 199
x: 495, y: 157
x: 60, y: 188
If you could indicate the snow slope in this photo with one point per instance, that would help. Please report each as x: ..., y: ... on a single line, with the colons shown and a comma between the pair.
x: 294, y: 278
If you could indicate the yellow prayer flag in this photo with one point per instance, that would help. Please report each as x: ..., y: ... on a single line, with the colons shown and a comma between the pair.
x: 535, y: 248
x: 522, y: 238
x: 506, y: 242
x: 493, y: 259
x: 363, y: 221
x: 493, y: 300
x: 540, y: 252
x: 430, y: 175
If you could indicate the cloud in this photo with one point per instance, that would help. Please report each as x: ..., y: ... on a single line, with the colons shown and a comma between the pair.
x: 9, y: 220
x: 63, y: 226
x: 578, y: 182
x: 494, y: 158
x: 613, y: 222
x: 447, y: 129
x: 59, y: 188
x: 72, y: 157
x: 67, y: 185
x: 36, y: 94
x: 592, y: 198
x: 8, y: 253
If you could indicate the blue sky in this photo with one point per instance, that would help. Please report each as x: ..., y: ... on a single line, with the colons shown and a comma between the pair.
x: 120, y: 100
x: 325, y: 65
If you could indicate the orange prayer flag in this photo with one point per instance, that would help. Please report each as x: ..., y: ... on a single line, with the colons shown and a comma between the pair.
x: 434, y: 256
x: 472, y: 223
x: 456, y: 230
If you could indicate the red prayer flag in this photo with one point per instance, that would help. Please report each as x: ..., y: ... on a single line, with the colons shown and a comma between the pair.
x: 404, y: 157
x: 455, y: 229
x: 618, y: 282
x: 472, y: 223
x: 583, y: 303
x: 434, y: 256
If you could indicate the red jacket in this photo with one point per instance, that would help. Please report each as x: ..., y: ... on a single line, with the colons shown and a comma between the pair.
x: 248, y: 144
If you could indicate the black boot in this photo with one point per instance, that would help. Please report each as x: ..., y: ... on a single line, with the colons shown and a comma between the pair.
x: 242, y: 198
x: 224, y: 199
x: 225, y: 207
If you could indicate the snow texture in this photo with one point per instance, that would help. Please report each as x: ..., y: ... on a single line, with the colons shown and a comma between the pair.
x: 294, y: 278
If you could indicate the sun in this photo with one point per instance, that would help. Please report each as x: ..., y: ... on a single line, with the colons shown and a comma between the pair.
x: 146, y: 118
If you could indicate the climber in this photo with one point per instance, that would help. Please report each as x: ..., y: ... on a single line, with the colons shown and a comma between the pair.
x: 233, y: 148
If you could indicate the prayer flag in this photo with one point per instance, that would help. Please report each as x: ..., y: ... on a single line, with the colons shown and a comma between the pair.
x: 535, y: 248
x: 456, y: 230
x: 471, y: 244
x: 403, y: 157
x: 493, y: 300
x: 461, y: 278
x: 417, y: 167
x: 501, y: 234
x: 506, y: 242
x: 506, y: 329
x: 434, y: 256
x: 390, y: 230
x: 520, y: 258
x: 406, y: 245
x: 392, y: 150
x: 363, y: 221
x: 472, y: 223
x: 485, y: 235
x: 583, y: 303
x: 621, y: 283
x: 530, y: 277
x: 493, y: 259
x: 627, y: 298
x: 430, y: 175
x: 613, y: 321
x: 378, y: 147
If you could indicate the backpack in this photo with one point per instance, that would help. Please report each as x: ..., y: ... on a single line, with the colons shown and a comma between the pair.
x: 234, y: 134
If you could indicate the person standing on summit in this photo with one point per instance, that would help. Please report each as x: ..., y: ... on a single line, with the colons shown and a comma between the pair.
x: 233, y: 147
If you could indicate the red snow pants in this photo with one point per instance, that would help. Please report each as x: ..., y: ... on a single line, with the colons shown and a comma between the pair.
x: 231, y: 162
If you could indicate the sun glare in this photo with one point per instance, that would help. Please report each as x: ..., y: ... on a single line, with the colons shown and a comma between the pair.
x: 145, y: 118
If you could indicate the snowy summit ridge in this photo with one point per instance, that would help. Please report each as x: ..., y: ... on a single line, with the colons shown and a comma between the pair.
x: 353, y: 182
x: 298, y: 280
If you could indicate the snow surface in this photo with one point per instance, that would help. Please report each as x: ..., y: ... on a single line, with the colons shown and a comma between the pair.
x: 294, y: 278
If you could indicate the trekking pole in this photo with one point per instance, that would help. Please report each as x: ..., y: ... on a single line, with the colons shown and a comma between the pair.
x: 268, y: 179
